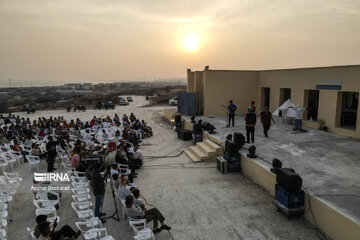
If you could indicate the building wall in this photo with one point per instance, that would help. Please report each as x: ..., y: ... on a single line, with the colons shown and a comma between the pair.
x: 190, y: 81
x: 299, y: 80
x: 221, y: 86
x: 217, y: 87
x: 199, y: 89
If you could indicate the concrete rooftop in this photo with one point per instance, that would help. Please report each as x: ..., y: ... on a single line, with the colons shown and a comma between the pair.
x: 196, y: 200
x: 329, y: 164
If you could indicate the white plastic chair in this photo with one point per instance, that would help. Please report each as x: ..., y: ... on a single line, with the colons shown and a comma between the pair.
x: 78, y: 191
x: 81, y: 197
x: 31, y: 234
x: 43, y: 204
x: 68, y: 168
x: 33, y: 161
x: 88, y: 224
x: 2, y: 234
x: 79, y: 206
x: 49, y: 212
x: 3, y: 165
x: 78, y: 179
x: 13, y: 177
x: 85, y: 214
x: 43, y: 195
x: 80, y: 184
x: 7, y: 157
x: 79, y: 174
x: 96, y: 233
x: 124, y: 169
x: 140, y: 228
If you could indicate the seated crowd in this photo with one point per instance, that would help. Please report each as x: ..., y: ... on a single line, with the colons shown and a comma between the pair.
x: 46, y: 137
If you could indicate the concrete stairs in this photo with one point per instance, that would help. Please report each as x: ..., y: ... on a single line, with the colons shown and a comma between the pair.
x: 203, y: 151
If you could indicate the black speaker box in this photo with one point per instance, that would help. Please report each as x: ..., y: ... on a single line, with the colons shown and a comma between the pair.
x: 239, y: 138
x: 231, y: 147
x: 184, y: 134
x: 287, y: 178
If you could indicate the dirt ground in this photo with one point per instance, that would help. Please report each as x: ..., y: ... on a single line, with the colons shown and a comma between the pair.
x: 197, y: 201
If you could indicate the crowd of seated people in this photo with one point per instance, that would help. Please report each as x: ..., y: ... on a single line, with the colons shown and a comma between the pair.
x: 76, y: 139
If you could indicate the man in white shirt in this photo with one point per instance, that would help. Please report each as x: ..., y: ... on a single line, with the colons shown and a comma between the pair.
x: 298, y: 117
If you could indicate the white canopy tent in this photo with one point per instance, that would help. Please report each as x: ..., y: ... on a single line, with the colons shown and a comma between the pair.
x: 286, y: 111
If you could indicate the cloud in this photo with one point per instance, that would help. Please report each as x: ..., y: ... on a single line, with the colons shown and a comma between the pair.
x: 82, y: 15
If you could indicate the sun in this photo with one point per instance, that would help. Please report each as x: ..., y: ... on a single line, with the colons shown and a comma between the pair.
x: 191, y: 42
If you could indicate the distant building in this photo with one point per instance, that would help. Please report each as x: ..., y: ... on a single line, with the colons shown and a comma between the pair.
x: 72, y: 86
x: 87, y: 86
x: 330, y: 93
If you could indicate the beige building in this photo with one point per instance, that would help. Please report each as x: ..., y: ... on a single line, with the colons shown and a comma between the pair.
x: 331, y: 93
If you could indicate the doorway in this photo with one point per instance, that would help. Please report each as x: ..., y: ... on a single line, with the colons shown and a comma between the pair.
x: 285, y: 94
x: 265, y: 97
x: 347, y: 109
x: 312, y: 102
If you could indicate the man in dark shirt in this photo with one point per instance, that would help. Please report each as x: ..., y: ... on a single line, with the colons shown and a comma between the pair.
x: 250, y: 122
x: 51, y: 153
x: 266, y: 118
x: 231, y: 109
x: 98, y: 185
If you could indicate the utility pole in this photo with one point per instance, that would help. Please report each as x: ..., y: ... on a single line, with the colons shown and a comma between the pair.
x: 9, y: 82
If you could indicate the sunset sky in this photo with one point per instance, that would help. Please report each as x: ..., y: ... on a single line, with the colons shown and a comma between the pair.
x: 54, y: 42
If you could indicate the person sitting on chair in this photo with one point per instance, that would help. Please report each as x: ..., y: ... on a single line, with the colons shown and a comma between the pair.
x: 152, y: 214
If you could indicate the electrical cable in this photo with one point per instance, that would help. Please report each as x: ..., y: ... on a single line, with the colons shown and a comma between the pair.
x: 165, y: 156
x: 319, y: 233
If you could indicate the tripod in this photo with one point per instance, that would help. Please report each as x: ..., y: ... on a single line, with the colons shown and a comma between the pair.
x: 115, y: 215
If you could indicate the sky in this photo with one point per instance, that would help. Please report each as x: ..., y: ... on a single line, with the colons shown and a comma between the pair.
x: 51, y: 42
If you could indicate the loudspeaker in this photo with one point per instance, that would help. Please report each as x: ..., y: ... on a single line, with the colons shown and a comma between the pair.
x: 184, y: 134
x: 287, y: 178
x: 239, y: 138
x: 231, y: 147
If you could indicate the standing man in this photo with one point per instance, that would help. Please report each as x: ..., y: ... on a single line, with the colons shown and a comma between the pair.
x: 98, y: 185
x: 51, y: 154
x: 250, y: 122
x: 298, y: 117
x: 231, y: 110
x: 266, y: 118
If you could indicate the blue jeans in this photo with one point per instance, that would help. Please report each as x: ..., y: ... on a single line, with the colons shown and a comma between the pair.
x: 98, y: 201
x: 298, y: 123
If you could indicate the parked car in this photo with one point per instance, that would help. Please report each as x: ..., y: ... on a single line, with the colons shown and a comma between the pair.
x: 123, y: 101
x: 129, y: 99
x: 80, y: 108
x: 173, y: 101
